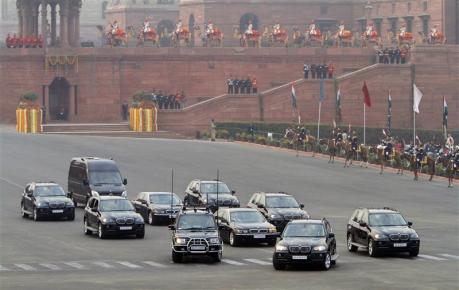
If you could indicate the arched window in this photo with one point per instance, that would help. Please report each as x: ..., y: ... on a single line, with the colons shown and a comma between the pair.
x: 245, y: 19
x: 191, y: 24
x: 165, y: 26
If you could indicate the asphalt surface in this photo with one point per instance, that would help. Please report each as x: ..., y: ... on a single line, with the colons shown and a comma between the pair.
x: 57, y: 255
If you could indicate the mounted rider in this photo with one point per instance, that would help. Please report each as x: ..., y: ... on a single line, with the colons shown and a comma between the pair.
x: 388, y: 144
x: 341, y: 28
x: 114, y: 27
x: 339, y: 135
x: 312, y: 28
x: 210, y: 27
x: 449, y: 142
x: 433, y: 33
x: 179, y: 27
x: 249, y: 30
x: 354, y: 142
x: 277, y: 27
x: 146, y: 26
x: 402, y: 31
x: 369, y: 31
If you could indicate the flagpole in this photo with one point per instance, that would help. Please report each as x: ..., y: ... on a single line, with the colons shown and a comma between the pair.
x: 318, y: 123
x: 364, y: 125
x: 414, y: 121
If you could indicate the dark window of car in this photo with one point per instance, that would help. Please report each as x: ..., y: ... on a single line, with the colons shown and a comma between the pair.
x: 164, y: 199
x: 80, y: 173
x: 386, y: 219
x: 247, y: 217
x: 116, y: 205
x: 281, y: 202
x: 195, y: 222
x: 209, y: 188
x: 91, y: 203
x: 51, y: 190
x: 328, y: 227
x: 254, y: 198
x: 105, y: 177
x: 304, y: 230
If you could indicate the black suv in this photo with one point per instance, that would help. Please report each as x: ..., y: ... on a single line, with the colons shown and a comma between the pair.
x: 46, y: 199
x: 278, y: 208
x: 112, y: 215
x: 379, y: 230
x: 205, y: 194
x: 92, y: 177
x: 158, y: 207
x: 195, y: 232
x: 306, y: 242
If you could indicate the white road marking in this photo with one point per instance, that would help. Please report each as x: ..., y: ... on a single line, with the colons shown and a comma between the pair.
x: 25, y: 267
x: 104, y: 265
x: 154, y: 264
x: 232, y: 262
x: 75, y: 265
x: 51, y: 266
x: 3, y: 268
x: 12, y: 183
x: 129, y: 265
x: 431, y: 258
x: 256, y: 261
x: 450, y: 256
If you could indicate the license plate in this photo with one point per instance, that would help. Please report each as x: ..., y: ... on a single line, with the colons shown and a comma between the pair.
x: 399, y: 245
x: 57, y: 211
x: 125, y: 228
x: 198, y: 248
x: 259, y: 236
x: 299, y: 257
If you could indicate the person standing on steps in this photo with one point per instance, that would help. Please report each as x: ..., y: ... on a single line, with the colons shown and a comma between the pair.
x: 213, y: 129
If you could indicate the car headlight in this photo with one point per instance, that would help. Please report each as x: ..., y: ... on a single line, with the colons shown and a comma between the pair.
x: 379, y: 236
x: 275, y: 216
x: 281, y: 248
x: 124, y: 194
x: 139, y: 220
x: 94, y: 193
x: 414, y: 235
x: 242, y: 231
x: 214, y: 240
x: 69, y: 203
x: 41, y: 204
x: 272, y: 230
x: 108, y: 220
x: 319, y: 248
x: 180, y: 241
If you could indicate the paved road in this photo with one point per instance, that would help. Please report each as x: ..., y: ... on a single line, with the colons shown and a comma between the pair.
x: 57, y: 255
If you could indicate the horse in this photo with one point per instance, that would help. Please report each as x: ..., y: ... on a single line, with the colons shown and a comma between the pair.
x: 281, y: 37
x: 331, y: 150
x: 450, y: 167
x: 299, y: 38
x: 314, y: 39
x: 183, y: 35
x: 406, y: 39
x: 400, y: 159
x: 383, y: 156
x: 119, y: 38
x: 350, y: 153
x: 346, y: 38
x: 151, y: 36
x: 214, y: 39
x: 363, y: 152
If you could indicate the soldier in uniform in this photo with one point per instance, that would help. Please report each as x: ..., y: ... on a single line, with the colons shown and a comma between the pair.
x: 354, y: 142
x: 146, y: 26
x: 420, y: 154
x: 433, y: 33
x: 313, y: 71
x: 276, y: 27
x: 114, y: 27
x: 306, y: 70
x: 312, y: 28
x: 449, y: 142
x: 341, y: 29
x: 339, y: 135
x: 249, y: 30
x: 178, y: 27
x: 230, y: 85
x: 210, y: 27
x: 213, y: 130
x: 403, y: 30
x: 248, y: 85
x: 236, y: 83
x: 254, y: 85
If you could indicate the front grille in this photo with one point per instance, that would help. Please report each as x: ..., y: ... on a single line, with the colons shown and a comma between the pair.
x: 404, y: 237
x: 129, y: 221
x: 197, y: 242
x: 171, y: 211
x: 292, y: 217
x: 57, y: 205
x: 258, y: 231
x: 120, y: 221
x: 305, y: 250
x: 399, y: 237
x: 294, y: 249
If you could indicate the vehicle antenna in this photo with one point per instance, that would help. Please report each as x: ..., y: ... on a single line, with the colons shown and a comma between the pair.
x: 172, y: 194
x: 218, y: 177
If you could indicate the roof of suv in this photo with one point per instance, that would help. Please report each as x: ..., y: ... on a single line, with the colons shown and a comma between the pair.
x: 274, y: 193
x: 309, y: 221
x: 110, y: 197
x: 379, y: 209
x: 49, y: 183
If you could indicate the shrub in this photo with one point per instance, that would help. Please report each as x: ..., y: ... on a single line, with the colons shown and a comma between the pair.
x: 29, y: 97
x: 223, y: 134
x: 260, y: 140
x: 205, y: 135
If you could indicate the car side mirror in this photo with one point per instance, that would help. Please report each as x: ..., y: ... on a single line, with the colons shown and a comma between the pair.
x: 410, y: 224
x: 85, y: 182
x: 331, y: 235
x: 171, y: 227
x: 125, y: 181
x: 233, y: 192
x: 301, y: 205
x: 363, y: 224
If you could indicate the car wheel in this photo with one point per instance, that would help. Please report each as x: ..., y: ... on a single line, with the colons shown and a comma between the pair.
x: 372, y: 252
x: 350, y: 246
x: 233, y: 239
x: 86, y: 230
x: 151, y: 218
x: 327, y: 262
x: 414, y: 253
x: 140, y: 235
x: 101, y: 231
x: 36, y: 217
x: 23, y: 213
x: 217, y: 257
x: 176, y: 257
x: 278, y: 265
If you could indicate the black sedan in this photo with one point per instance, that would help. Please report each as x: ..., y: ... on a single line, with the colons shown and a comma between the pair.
x: 239, y: 225
x: 46, y: 200
x: 157, y: 207
x: 306, y: 242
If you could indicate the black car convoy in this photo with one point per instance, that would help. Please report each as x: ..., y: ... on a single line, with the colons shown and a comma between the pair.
x: 210, y: 214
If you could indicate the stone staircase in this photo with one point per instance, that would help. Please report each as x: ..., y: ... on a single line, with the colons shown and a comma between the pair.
x: 106, y: 130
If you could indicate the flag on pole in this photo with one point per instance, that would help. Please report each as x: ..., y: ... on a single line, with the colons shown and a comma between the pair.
x: 366, y: 95
x: 389, y: 112
x: 445, y: 117
x: 417, y: 94
x: 334, y: 124
x: 322, y: 90
x: 338, y: 104
x: 293, y: 97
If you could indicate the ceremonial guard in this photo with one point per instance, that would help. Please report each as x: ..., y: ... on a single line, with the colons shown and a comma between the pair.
x: 339, y: 135
x: 114, y: 27
x: 209, y: 28
x: 312, y: 28
x: 450, y: 142
x: 369, y: 30
x: 146, y: 26
x: 433, y: 33
x: 213, y: 130
x: 420, y: 154
x: 354, y: 142
x: 403, y: 30
x: 249, y: 30
x: 341, y: 29
x: 178, y: 27
x: 389, y: 147
x: 9, y: 42
x: 276, y: 27
x: 254, y: 85
x: 306, y: 70
x: 230, y: 85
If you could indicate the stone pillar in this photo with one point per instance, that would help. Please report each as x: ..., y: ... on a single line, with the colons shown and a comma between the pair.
x: 64, y: 13
x: 71, y: 26
x: 53, y: 24
x: 71, y: 113
x: 20, y: 20
x: 34, y: 19
x: 25, y: 19
x: 47, y: 103
x: 44, y: 22
x: 77, y: 27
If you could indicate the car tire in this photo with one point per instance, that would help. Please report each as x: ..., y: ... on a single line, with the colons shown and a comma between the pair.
x: 278, y: 265
x: 176, y: 257
x: 217, y: 257
x: 86, y: 230
x: 233, y: 240
x: 36, y: 217
x: 100, y: 231
x: 350, y: 246
x: 140, y: 235
x: 372, y: 252
x: 326, y: 264
x: 23, y: 213
x: 151, y: 218
x: 414, y: 253
x: 272, y: 242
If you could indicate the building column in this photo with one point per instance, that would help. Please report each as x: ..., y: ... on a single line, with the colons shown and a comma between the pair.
x: 64, y: 13
x: 34, y: 18
x: 25, y: 19
x: 53, y: 24
x: 47, y: 103
x: 77, y: 27
x: 71, y: 113
x: 44, y: 22
x: 20, y: 24
x: 70, y: 26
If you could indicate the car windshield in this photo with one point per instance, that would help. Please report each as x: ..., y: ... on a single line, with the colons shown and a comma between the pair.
x: 281, y: 202
x: 104, y: 177
x: 386, y: 219
x: 196, y: 222
x: 115, y: 205
x: 209, y: 188
x: 304, y: 230
x: 164, y: 199
x: 52, y: 190
x: 247, y: 217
